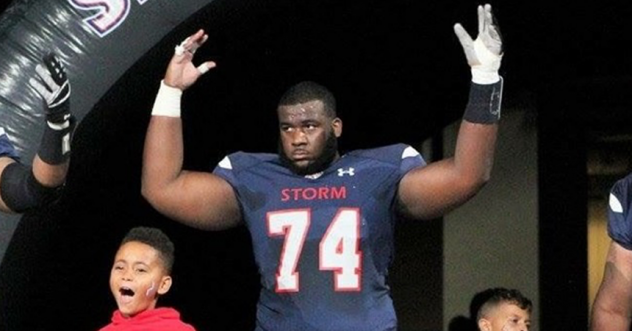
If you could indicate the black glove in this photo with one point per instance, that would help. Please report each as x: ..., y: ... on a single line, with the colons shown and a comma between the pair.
x: 55, y: 90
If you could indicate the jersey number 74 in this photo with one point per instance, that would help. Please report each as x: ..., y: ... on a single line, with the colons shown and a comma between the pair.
x: 339, y: 249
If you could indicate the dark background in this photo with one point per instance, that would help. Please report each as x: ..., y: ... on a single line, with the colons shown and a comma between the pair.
x: 399, y: 75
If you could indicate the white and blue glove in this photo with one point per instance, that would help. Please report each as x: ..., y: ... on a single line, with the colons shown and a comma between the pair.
x: 485, y: 53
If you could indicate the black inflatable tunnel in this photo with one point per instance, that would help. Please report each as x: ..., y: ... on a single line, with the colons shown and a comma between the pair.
x: 56, y: 261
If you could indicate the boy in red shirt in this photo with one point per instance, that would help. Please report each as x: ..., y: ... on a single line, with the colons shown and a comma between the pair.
x: 139, y: 276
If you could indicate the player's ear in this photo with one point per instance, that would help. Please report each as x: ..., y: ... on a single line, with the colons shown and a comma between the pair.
x: 165, y: 285
x: 336, y: 125
x: 484, y: 325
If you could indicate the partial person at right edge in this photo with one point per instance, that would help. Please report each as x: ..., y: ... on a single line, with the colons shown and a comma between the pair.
x: 612, y: 308
x: 24, y: 187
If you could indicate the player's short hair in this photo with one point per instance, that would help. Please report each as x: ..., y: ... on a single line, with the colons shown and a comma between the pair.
x: 486, y: 300
x: 155, y: 238
x: 308, y: 91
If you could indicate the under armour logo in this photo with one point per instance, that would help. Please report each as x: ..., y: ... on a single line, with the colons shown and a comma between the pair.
x: 349, y: 171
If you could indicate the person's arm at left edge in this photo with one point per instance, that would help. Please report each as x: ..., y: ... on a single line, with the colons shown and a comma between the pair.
x: 431, y: 191
x: 23, y: 187
x: 50, y: 164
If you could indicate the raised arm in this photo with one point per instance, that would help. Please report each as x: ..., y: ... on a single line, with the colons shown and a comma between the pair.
x: 612, y: 309
x: 198, y: 199
x: 50, y: 165
x: 431, y: 191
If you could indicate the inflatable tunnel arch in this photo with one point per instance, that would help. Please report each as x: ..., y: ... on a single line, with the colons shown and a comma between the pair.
x: 99, y: 41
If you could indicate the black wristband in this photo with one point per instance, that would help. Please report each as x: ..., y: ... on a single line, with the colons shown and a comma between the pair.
x: 484, y: 103
x: 55, y: 145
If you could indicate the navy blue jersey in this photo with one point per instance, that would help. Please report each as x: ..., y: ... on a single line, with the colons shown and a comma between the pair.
x: 323, y: 243
x: 619, y: 217
x: 6, y: 147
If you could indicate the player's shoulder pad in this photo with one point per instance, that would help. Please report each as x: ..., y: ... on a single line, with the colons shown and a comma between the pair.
x: 243, y: 160
x: 391, y: 153
x: 619, y: 216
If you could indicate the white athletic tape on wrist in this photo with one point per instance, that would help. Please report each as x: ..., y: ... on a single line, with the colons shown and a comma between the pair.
x: 484, y: 77
x: 167, y: 101
x: 487, y: 71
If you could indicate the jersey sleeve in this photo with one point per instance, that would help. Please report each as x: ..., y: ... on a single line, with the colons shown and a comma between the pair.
x: 411, y: 159
x: 401, y: 155
x: 226, y: 170
x: 619, y: 217
x: 231, y: 165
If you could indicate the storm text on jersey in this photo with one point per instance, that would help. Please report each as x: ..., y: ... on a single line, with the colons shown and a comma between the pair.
x: 314, y: 193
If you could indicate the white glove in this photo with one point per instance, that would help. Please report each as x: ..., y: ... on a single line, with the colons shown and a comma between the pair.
x: 485, y: 53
